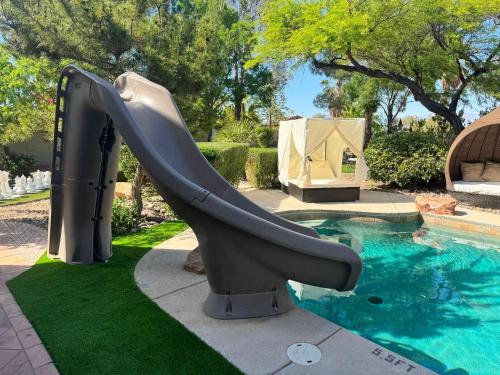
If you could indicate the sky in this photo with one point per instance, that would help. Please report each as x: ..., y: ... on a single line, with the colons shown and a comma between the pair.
x: 304, y: 86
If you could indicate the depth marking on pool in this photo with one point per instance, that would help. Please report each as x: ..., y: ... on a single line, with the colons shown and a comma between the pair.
x: 303, y: 353
x: 380, y: 353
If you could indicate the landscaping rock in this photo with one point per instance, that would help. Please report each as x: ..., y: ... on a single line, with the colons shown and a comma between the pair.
x: 437, y: 204
x: 194, y: 263
x: 123, y: 190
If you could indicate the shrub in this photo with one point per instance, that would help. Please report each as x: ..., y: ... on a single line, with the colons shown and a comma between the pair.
x: 228, y: 159
x: 242, y: 131
x: 262, y: 167
x: 406, y: 159
x: 124, y: 219
x: 264, y: 135
x: 128, y: 163
x: 16, y: 164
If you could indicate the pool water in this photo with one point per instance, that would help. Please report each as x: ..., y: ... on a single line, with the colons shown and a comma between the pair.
x: 432, y: 296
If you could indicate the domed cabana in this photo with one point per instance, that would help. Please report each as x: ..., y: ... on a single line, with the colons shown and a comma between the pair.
x: 473, y: 163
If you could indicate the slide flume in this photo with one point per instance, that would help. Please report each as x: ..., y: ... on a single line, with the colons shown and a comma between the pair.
x: 249, y: 254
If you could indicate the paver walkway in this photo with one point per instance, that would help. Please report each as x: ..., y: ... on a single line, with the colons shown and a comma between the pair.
x: 21, y: 351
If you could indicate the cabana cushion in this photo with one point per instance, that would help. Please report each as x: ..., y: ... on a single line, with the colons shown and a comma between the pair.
x: 472, y: 172
x: 483, y: 188
x: 491, y: 172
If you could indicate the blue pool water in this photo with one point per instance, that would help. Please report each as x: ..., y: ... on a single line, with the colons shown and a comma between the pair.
x: 440, y: 294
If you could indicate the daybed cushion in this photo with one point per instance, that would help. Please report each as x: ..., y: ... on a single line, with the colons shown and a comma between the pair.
x: 471, y: 171
x: 491, y: 172
x: 486, y: 188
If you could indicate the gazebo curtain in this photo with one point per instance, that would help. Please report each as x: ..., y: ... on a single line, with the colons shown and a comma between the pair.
x: 313, y: 148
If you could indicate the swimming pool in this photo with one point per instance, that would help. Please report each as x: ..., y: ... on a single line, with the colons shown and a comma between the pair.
x: 432, y: 296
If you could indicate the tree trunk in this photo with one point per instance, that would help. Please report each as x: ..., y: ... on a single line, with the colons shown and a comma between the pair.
x: 455, y: 121
x: 137, y: 189
x: 390, y: 119
x: 368, y: 126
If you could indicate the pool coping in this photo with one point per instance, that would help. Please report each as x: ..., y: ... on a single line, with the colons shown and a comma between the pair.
x: 460, y: 223
x: 299, y: 215
x: 258, y: 346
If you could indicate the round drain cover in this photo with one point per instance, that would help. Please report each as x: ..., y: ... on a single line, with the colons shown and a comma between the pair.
x: 304, y: 353
x: 376, y: 300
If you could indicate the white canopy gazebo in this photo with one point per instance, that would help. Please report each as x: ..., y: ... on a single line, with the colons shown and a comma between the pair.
x: 310, y: 152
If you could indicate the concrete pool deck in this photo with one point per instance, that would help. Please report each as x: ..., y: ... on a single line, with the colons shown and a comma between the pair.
x: 258, y: 346
x: 375, y: 204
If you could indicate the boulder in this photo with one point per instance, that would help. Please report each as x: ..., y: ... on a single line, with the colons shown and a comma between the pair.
x: 437, y: 204
x: 194, y: 263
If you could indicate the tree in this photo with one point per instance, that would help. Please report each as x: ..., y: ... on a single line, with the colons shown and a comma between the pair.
x: 393, y: 99
x: 257, y: 84
x: 27, y: 97
x: 414, y: 43
x: 175, y: 43
x: 331, y: 98
x: 352, y: 95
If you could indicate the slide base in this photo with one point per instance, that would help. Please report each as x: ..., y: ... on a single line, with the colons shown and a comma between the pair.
x: 242, y: 306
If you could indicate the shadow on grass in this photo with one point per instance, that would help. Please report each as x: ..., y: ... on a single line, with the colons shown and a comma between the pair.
x: 94, y: 319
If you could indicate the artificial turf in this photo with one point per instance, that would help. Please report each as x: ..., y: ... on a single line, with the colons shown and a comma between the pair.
x: 93, y: 319
x: 26, y: 198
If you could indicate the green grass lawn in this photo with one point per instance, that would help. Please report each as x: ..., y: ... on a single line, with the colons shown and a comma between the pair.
x: 94, y: 319
x: 26, y: 198
x: 348, y: 168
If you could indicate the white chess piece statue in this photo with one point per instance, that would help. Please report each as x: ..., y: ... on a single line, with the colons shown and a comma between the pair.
x: 46, y: 179
x: 3, y: 191
x: 20, y: 187
x: 16, y: 184
x: 30, y: 188
x: 37, y: 179
x: 2, y: 188
x: 6, y: 187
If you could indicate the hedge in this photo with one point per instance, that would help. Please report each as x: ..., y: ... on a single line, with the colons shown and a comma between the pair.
x: 262, y: 167
x: 406, y: 159
x: 228, y: 158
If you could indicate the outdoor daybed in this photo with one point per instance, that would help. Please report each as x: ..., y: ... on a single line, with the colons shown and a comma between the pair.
x: 476, y: 152
x: 310, y: 154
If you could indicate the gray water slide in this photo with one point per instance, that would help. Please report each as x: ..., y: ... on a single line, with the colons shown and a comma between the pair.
x: 248, y: 252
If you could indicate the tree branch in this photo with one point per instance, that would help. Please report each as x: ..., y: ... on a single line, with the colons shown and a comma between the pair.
x: 417, y: 91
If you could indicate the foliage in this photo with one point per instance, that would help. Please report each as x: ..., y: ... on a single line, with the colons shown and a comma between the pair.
x: 353, y: 95
x: 348, y: 168
x: 196, y: 49
x: 255, y: 88
x: 436, y: 48
x: 16, y: 164
x: 124, y: 219
x: 242, y: 131
x: 264, y: 135
x: 127, y: 163
x: 434, y: 125
x: 406, y: 159
x: 27, y: 97
x: 228, y: 159
x: 262, y: 167
x: 104, y: 309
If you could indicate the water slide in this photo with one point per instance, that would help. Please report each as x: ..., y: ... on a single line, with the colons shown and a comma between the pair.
x: 248, y: 252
